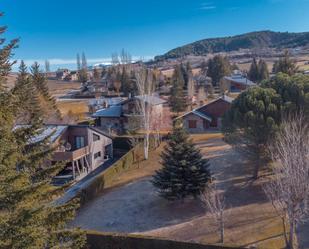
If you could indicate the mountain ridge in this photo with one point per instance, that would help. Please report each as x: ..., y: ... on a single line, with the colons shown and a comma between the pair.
x: 251, y: 40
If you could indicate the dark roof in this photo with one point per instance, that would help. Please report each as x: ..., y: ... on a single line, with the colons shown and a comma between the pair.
x: 195, y: 112
x: 240, y: 80
x: 203, y: 115
x: 110, y: 112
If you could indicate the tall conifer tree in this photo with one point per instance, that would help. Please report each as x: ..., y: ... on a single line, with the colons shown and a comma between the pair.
x: 28, y: 219
x: 253, y: 73
x: 184, y: 172
x: 48, y: 103
x: 177, y: 99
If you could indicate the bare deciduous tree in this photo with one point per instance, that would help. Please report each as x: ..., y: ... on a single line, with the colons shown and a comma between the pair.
x: 145, y: 89
x: 115, y: 59
x: 201, y: 95
x: 289, y: 187
x: 215, y: 204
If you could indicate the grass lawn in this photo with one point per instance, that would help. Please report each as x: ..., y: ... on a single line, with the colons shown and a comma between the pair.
x: 146, y: 168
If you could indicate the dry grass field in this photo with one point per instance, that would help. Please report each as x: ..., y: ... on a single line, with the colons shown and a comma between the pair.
x: 132, y: 205
x: 60, y: 88
x: 76, y: 109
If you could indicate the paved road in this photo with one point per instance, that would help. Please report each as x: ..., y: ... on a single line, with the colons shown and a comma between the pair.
x: 78, y: 186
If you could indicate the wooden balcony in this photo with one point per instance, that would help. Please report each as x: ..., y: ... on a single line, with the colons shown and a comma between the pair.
x: 71, y: 155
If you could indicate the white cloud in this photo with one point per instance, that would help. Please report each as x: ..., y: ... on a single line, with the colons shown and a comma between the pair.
x: 207, y: 6
x: 59, y: 61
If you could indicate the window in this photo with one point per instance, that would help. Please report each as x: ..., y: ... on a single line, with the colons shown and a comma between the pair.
x: 79, y: 142
x: 214, y: 123
x: 95, y: 137
x: 97, y: 155
x: 192, y: 124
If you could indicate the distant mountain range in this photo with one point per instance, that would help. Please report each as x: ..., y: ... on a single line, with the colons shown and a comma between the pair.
x: 253, y: 40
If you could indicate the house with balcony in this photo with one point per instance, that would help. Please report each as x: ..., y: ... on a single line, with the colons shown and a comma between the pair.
x: 125, y: 115
x: 82, y: 148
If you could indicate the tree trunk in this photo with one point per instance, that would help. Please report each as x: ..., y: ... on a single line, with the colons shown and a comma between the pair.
x: 291, y: 235
x: 284, y: 231
x: 221, y: 228
x: 146, y: 146
x: 257, y: 166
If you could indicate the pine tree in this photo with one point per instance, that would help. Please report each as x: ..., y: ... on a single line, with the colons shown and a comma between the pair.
x: 28, y: 219
x: 48, y: 103
x: 177, y: 99
x: 186, y: 71
x: 285, y: 65
x: 263, y: 71
x: 185, y: 172
x: 5, y: 56
x: 25, y: 92
x: 126, y: 83
x: 253, y: 73
x: 218, y: 67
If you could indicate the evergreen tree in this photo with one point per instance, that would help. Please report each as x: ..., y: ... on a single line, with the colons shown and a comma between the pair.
x: 218, y: 67
x: 83, y: 72
x: 5, y: 56
x: 48, y: 103
x: 177, y: 99
x: 28, y: 219
x: 258, y: 71
x: 127, y: 86
x: 285, y: 65
x: 294, y: 92
x: 25, y: 92
x: 252, y: 122
x: 185, y: 172
x: 187, y: 72
x: 263, y: 71
x: 254, y: 74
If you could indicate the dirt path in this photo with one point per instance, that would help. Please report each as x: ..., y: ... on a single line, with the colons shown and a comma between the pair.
x: 136, y: 208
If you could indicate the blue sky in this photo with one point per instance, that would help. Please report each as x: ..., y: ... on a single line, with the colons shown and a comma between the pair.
x: 58, y: 29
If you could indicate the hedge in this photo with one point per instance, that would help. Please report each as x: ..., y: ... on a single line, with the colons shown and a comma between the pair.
x: 99, y: 240
x: 104, y: 180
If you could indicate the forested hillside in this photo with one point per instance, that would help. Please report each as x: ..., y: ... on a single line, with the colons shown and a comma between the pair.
x: 261, y: 39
